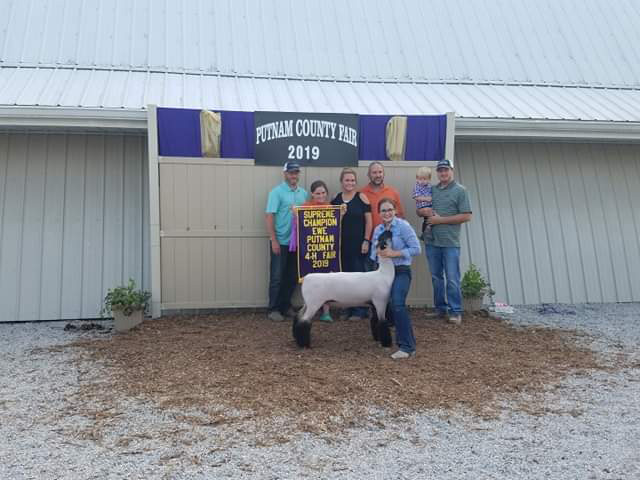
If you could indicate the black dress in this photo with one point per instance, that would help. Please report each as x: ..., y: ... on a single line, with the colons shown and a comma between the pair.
x: 353, y: 225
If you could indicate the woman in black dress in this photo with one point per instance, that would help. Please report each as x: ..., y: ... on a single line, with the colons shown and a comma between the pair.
x: 356, y: 228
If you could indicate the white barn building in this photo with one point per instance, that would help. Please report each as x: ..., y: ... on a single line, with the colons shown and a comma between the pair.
x: 547, y: 101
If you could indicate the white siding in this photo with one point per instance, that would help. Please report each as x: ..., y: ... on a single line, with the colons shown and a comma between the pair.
x: 554, y: 222
x: 73, y: 222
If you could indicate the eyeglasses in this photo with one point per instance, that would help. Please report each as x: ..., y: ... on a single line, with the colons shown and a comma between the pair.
x: 387, y: 210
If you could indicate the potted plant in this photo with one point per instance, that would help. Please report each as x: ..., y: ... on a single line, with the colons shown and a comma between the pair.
x: 126, y: 304
x: 474, y: 287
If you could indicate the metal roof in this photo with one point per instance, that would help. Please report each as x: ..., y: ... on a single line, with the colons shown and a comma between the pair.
x: 134, y: 90
x: 561, y: 42
x: 532, y: 60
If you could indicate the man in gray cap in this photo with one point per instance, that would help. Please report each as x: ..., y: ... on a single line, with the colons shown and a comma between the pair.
x: 451, y: 208
x: 278, y: 216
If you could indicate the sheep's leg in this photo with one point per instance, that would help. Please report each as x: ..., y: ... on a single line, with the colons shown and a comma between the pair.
x: 302, y: 325
x: 373, y: 323
x: 384, y: 332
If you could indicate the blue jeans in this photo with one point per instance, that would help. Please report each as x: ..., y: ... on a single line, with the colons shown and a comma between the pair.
x: 283, y: 273
x: 445, y: 262
x: 405, y: 339
x: 354, y: 262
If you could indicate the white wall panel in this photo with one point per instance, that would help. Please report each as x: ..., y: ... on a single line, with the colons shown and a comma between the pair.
x: 73, y: 222
x: 554, y: 222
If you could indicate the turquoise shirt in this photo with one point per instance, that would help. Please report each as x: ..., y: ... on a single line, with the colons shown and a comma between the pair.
x: 404, y: 240
x: 280, y: 201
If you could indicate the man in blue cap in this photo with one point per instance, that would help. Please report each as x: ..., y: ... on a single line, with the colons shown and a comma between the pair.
x: 278, y: 215
x: 451, y: 208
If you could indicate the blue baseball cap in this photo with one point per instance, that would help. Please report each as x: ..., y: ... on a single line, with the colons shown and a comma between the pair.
x: 443, y: 164
x: 291, y: 167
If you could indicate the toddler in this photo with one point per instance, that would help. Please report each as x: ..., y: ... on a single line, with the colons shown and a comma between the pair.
x: 422, y: 195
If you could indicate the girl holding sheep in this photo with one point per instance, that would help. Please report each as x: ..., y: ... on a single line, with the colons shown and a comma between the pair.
x: 404, y: 245
x: 319, y: 197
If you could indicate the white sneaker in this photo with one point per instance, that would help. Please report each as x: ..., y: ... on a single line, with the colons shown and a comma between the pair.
x: 275, y: 316
x: 455, y: 319
x: 402, y: 355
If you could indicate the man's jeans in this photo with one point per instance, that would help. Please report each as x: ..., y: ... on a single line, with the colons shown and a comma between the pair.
x: 445, y: 262
x: 282, y: 279
x: 405, y: 339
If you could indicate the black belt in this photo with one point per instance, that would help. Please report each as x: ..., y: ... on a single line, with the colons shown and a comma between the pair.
x: 403, y: 269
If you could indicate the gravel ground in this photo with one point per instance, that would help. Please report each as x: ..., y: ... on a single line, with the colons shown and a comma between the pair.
x: 590, y: 429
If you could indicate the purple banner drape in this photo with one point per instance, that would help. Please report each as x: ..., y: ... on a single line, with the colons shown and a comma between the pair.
x: 179, y: 135
x: 238, y: 138
x: 179, y: 132
x: 426, y: 137
x: 373, y: 132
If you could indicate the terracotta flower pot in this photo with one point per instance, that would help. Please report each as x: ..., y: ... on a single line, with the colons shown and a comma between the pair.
x: 123, y: 323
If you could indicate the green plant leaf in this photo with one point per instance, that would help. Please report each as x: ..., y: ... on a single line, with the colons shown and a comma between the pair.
x: 473, y: 284
x: 126, y: 298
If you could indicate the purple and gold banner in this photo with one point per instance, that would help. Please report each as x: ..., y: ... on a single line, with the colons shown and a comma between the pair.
x: 318, y: 240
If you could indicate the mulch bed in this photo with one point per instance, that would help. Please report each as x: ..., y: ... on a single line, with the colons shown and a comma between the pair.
x: 241, y: 362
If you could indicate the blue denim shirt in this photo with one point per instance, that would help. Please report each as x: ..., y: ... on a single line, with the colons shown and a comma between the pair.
x: 404, y: 240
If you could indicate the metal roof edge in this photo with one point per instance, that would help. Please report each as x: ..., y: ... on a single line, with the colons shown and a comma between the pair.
x: 546, y: 129
x: 466, y: 128
x: 73, y: 118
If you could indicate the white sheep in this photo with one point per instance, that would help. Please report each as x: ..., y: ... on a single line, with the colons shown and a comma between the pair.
x: 348, y: 289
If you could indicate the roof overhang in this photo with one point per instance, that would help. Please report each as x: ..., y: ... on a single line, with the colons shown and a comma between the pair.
x: 100, y: 119
x: 529, y: 129
x: 81, y: 119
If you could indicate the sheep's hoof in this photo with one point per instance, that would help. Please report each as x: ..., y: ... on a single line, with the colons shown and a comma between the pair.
x: 302, y: 333
x: 373, y: 321
x: 384, y: 334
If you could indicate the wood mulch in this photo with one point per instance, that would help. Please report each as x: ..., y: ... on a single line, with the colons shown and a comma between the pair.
x: 241, y: 362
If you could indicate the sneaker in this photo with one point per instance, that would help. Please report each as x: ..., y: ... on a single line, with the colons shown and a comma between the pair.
x: 326, y: 317
x: 354, y: 318
x: 402, y: 355
x: 291, y: 313
x: 455, y: 319
x: 275, y: 316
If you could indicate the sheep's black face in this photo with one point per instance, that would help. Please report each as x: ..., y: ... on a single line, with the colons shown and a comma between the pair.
x: 384, y: 239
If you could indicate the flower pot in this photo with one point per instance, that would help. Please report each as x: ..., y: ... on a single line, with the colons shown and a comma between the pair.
x: 123, y: 323
x: 472, y: 304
